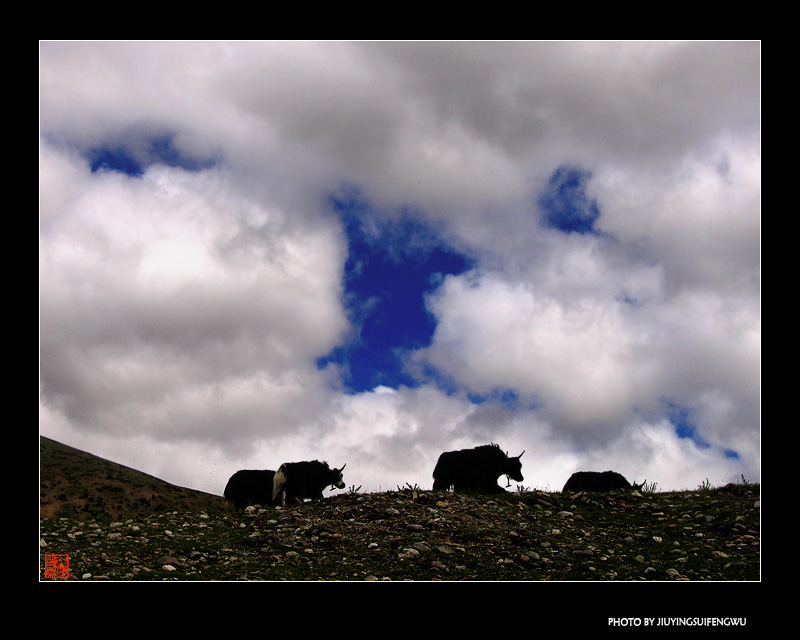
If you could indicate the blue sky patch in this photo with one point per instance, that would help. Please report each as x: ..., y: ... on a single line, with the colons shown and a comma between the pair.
x: 391, y: 266
x: 565, y: 204
x: 505, y: 397
x: 684, y: 428
x: 114, y: 159
x: 133, y: 160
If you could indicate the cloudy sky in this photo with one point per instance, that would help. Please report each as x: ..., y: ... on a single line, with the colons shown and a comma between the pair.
x: 373, y: 252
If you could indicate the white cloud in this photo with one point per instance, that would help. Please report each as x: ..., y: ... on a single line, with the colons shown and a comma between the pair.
x: 701, y: 221
x: 171, y: 305
x: 594, y: 344
x: 577, y: 358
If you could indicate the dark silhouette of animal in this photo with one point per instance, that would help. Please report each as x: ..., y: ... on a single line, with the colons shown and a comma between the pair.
x: 296, y: 481
x: 250, y: 486
x: 475, y: 469
x: 598, y: 481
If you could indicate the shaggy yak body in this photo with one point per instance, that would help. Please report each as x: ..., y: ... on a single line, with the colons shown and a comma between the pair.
x: 475, y: 469
x: 296, y: 481
x: 250, y: 486
x: 598, y: 481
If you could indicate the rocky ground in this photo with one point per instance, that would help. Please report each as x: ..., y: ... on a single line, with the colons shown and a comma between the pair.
x: 409, y: 534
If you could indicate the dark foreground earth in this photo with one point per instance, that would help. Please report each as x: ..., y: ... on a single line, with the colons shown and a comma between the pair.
x: 100, y: 521
x: 711, y: 535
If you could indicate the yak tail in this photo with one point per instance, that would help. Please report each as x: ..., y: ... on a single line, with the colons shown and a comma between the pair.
x: 277, y: 485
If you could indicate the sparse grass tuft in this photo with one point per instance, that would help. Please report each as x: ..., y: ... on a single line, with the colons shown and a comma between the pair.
x: 409, y: 487
x: 650, y: 487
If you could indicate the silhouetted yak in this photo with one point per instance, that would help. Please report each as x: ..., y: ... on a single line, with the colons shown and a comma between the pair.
x: 250, y: 486
x: 475, y: 469
x: 295, y: 481
x: 598, y: 481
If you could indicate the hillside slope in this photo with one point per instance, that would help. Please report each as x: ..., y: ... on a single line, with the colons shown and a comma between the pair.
x: 80, y: 485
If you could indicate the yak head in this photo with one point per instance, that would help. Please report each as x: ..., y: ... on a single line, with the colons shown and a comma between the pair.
x: 336, y: 475
x: 636, y: 487
x: 514, y: 468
